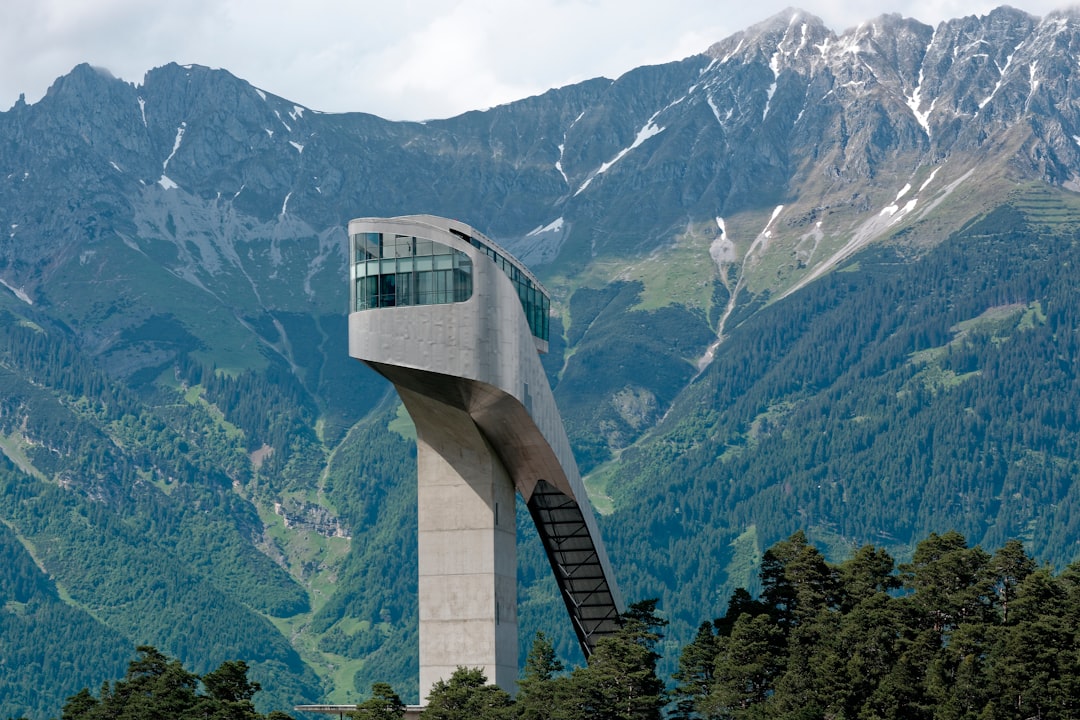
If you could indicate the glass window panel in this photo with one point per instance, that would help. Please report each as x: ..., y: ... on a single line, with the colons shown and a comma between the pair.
x: 372, y: 268
x: 366, y: 246
x: 423, y: 247
x: 372, y: 241
x: 444, y: 262
x: 462, y: 285
x: 438, y: 248
x: 387, y: 293
x: 389, y: 267
x: 404, y: 289
x: 441, y: 291
x: 395, y: 245
x: 371, y: 292
x: 425, y: 288
x: 424, y: 263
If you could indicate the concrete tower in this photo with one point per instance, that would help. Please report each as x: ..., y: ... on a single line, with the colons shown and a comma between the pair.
x: 456, y: 324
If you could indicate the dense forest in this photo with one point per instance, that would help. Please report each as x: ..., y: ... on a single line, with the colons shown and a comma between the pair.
x: 157, y: 686
x: 878, y: 405
x: 913, y: 391
x: 954, y: 633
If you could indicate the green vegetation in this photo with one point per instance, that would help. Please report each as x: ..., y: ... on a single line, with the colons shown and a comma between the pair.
x: 873, y: 406
x: 955, y: 632
x: 627, y: 366
x: 922, y: 389
x: 157, y: 686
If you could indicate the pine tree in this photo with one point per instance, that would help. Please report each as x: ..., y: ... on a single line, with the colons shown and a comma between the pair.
x: 156, y: 686
x: 467, y: 696
x: 384, y: 704
x: 620, y: 681
x: 796, y: 581
x: 747, y: 665
x: 231, y: 691
x: 951, y: 581
x: 695, y: 673
x: 538, y: 691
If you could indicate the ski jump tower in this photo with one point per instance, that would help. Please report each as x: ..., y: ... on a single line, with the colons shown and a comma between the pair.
x: 456, y: 324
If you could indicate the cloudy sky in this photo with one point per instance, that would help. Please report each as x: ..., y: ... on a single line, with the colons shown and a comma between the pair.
x: 400, y: 59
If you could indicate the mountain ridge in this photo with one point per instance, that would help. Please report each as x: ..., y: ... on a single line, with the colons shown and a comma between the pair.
x: 793, y: 277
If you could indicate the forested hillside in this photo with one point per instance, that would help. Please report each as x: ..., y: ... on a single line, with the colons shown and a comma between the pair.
x: 954, y: 632
x: 911, y: 391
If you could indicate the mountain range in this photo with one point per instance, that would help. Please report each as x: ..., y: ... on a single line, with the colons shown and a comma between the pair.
x: 801, y: 280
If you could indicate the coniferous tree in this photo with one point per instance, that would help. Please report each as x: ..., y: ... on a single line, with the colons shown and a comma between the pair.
x: 1008, y: 568
x: 950, y: 581
x: 695, y: 673
x: 156, y: 686
x: 384, y: 704
x: 230, y: 692
x: 796, y: 581
x: 538, y: 690
x: 746, y: 668
x: 620, y: 681
x: 467, y: 696
x: 868, y: 573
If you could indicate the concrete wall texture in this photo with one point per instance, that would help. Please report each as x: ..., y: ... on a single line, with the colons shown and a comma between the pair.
x: 487, y: 424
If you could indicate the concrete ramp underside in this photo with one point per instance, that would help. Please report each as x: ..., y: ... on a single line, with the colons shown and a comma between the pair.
x: 561, y: 522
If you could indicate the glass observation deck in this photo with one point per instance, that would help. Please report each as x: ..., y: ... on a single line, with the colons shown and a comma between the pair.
x: 391, y: 270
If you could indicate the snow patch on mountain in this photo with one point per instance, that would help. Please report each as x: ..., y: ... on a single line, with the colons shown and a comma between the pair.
x: 722, y: 249
x: 876, y: 225
x: 646, y: 132
x: 278, y: 116
x: 914, y: 101
x: 176, y: 146
x: 1002, y: 72
x: 17, y: 292
x: 553, y: 226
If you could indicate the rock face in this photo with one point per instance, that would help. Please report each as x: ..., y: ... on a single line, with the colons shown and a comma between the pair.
x: 772, y: 107
x: 783, y: 113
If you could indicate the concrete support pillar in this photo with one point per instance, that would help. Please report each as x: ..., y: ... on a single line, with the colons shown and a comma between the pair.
x: 467, y: 549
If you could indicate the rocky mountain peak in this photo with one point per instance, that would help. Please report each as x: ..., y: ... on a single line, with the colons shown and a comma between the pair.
x: 789, y: 34
x: 786, y: 112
